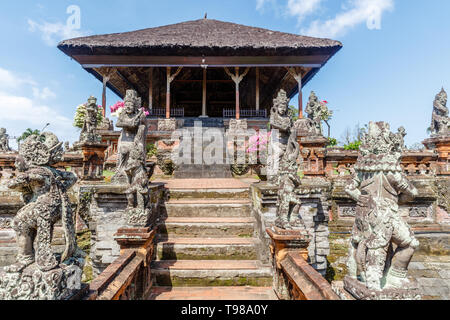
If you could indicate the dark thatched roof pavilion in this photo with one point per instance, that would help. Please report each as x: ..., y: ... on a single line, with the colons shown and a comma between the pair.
x: 145, y: 60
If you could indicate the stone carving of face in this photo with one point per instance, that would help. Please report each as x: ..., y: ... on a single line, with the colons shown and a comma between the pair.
x: 129, y: 107
x: 282, y: 108
x: 2, y: 131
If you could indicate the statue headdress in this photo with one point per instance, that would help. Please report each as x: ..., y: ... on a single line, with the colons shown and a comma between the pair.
x: 381, y: 150
x: 41, y: 150
x: 131, y: 95
x: 281, y: 98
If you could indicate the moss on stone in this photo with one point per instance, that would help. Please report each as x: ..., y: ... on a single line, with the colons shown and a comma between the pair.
x: 164, y: 280
x: 84, y: 243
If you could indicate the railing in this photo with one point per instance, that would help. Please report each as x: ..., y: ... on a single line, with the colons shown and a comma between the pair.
x: 304, y: 282
x: 174, y: 112
x: 294, y: 278
x: 246, y: 113
x: 340, y: 162
x: 129, y: 276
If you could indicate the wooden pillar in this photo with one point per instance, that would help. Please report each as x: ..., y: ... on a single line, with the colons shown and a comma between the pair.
x: 238, y: 114
x: 170, y: 78
x: 257, y: 88
x: 105, y: 81
x: 297, y: 75
x: 237, y: 79
x: 300, y: 98
x: 150, y: 90
x: 168, y: 94
x: 204, y: 94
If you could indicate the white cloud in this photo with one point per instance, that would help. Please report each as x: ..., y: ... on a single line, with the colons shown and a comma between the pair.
x: 43, y: 94
x: 357, y: 12
x: 8, y: 80
x: 52, y: 33
x: 261, y: 4
x: 21, y: 108
x: 302, y: 8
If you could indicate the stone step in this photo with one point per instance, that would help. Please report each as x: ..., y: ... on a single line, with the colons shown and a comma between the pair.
x: 225, y: 193
x: 208, y: 208
x: 205, y: 273
x: 212, y: 293
x: 207, y: 249
x: 213, y: 227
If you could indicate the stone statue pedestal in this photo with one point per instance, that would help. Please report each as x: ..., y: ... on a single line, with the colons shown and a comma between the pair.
x: 359, y: 291
x: 93, y: 160
x: 283, y: 242
x: 61, y: 283
x: 442, y: 146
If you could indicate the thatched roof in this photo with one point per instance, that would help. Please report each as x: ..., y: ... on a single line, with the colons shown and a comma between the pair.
x: 200, y: 37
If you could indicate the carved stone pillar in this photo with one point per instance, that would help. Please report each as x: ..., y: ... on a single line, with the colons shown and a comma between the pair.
x: 442, y: 146
x: 312, y: 150
x: 93, y: 160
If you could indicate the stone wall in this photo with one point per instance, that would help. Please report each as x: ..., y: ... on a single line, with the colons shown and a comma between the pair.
x: 105, y: 207
x: 315, y: 207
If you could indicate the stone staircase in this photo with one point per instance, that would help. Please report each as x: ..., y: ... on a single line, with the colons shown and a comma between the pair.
x: 206, y: 247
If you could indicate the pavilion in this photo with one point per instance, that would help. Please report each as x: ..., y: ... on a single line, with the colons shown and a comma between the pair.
x: 203, y: 68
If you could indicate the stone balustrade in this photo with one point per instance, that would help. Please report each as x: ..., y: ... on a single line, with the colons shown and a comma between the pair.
x: 129, y: 276
x: 305, y: 283
x: 294, y: 278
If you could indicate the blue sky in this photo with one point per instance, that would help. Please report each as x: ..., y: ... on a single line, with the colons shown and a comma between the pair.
x: 394, y: 61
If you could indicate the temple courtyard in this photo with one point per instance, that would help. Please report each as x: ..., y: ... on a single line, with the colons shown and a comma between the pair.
x: 209, y: 185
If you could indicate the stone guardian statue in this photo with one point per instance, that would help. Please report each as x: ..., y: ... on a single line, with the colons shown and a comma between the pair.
x: 440, y: 121
x: 382, y: 243
x: 88, y: 134
x: 281, y: 124
x: 288, y: 204
x: 4, y: 141
x: 131, y: 164
x: 38, y: 273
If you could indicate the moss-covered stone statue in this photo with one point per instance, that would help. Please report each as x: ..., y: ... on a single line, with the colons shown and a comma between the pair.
x: 39, y: 274
x: 131, y: 164
x: 4, y: 141
x: 440, y: 122
x: 382, y: 243
x: 281, y: 124
x: 288, y: 203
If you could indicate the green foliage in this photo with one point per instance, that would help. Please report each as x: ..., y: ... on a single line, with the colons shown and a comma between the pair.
x: 80, y: 115
x: 332, y: 142
x: 294, y: 112
x: 27, y: 133
x: 152, y: 150
x: 353, y: 145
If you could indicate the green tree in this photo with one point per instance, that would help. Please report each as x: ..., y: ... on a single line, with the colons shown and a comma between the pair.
x: 294, y: 112
x: 28, y: 133
x: 80, y: 115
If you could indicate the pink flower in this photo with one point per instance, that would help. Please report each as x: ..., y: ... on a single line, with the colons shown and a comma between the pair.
x: 117, y: 106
